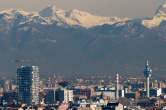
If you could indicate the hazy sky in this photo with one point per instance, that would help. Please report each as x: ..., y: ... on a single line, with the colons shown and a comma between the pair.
x: 122, y: 8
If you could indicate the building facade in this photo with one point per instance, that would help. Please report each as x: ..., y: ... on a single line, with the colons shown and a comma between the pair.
x: 28, y: 84
x: 49, y: 98
x: 64, y: 95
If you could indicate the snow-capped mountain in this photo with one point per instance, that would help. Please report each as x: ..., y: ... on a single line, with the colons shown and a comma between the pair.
x: 77, y: 41
x: 10, y: 18
x: 76, y: 17
x: 156, y: 20
x: 52, y: 15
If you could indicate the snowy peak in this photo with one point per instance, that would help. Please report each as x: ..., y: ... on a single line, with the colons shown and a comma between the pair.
x: 50, y: 11
x: 53, y: 15
x: 14, y: 11
x: 160, y: 15
x: 76, y: 17
x: 17, y: 17
x: 161, y: 11
x: 17, y: 13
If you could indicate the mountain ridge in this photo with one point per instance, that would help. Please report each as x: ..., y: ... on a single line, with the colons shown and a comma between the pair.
x: 67, y: 47
x: 83, y: 19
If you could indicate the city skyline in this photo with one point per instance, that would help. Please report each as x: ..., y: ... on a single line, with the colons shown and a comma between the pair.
x: 116, y: 94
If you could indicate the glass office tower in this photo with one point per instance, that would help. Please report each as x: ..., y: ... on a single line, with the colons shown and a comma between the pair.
x: 28, y: 84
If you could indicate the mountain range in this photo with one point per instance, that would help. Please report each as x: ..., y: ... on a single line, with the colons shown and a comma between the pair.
x: 72, y: 41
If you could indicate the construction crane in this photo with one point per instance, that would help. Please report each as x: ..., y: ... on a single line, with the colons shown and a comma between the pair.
x: 21, y: 61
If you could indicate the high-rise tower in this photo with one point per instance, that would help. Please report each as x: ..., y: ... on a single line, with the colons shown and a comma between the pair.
x: 147, y: 74
x: 28, y: 84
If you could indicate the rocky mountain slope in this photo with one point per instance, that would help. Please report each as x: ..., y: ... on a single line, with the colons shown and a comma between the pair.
x: 77, y: 41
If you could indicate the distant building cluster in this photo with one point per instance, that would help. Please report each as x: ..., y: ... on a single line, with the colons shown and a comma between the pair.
x: 29, y: 92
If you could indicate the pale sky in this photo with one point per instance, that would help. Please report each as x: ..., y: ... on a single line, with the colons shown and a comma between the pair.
x: 121, y: 8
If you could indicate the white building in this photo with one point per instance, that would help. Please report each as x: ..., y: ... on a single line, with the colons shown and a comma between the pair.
x: 68, y: 96
x: 159, y: 92
x: 64, y: 95
x: 109, y: 93
x: 156, y: 92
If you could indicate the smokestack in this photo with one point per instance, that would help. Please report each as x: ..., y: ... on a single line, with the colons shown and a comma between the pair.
x: 117, y: 85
